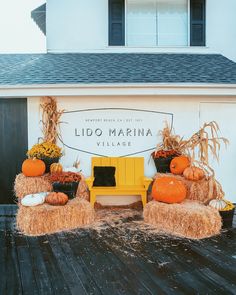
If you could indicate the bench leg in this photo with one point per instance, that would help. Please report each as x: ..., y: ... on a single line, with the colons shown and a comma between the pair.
x: 92, y: 198
x: 144, y: 198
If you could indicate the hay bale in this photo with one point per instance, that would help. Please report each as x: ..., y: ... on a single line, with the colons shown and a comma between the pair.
x: 47, y: 219
x: 31, y: 185
x: 189, y: 219
x: 202, y: 191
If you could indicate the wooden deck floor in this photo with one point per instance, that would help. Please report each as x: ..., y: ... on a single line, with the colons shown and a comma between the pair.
x: 114, y: 259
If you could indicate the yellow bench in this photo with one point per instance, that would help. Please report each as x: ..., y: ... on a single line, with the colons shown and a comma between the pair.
x: 129, y: 175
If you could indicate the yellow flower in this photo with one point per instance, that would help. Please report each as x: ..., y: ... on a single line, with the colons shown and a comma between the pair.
x: 45, y: 149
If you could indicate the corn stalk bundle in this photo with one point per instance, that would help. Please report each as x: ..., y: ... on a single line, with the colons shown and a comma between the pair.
x: 198, y: 146
x: 204, y: 142
x: 50, y: 119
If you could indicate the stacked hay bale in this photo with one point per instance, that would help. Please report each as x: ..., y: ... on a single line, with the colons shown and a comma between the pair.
x: 47, y: 219
x: 189, y: 219
x: 203, y: 190
x: 31, y: 185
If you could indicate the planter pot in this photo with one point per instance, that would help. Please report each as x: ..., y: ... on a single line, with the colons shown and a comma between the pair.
x: 69, y: 188
x: 48, y: 162
x: 227, y: 218
x: 163, y: 164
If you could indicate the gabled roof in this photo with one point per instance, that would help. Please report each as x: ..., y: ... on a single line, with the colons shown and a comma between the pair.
x: 87, y: 68
x: 39, y: 16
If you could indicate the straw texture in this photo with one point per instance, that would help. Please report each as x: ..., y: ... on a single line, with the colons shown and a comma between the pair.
x: 47, y: 219
x: 202, y: 191
x: 189, y: 219
x: 31, y: 185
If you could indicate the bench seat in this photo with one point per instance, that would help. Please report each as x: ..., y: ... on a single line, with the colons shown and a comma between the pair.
x: 130, y: 179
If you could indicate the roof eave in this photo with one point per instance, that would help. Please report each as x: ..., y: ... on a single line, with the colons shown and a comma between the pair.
x: 119, y: 89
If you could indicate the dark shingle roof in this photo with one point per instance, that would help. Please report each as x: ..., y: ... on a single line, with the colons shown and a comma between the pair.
x: 39, y: 16
x: 27, y: 69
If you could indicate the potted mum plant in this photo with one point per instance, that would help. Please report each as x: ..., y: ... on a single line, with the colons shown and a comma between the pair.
x: 170, y: 147
x: 65, y: 182
x: 48, y: 152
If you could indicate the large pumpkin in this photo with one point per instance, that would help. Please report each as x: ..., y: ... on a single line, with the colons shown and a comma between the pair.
x: 179, y: 164
x: 168, y: 189
x: 57, y: 199
x: 56, y: 168
x: 33, y: 167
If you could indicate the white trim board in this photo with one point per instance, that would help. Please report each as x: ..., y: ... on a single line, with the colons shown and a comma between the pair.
x: 148, y: 89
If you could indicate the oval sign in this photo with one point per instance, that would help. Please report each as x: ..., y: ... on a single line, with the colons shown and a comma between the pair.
x: 113, y: 131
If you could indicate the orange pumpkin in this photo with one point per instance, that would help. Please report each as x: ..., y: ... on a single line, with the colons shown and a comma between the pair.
x: 56, y: 168
x: 56, y: 199
x: 179, y: 164
x: 33, y: 167
x: 168, y: 189
x: 194, y: 173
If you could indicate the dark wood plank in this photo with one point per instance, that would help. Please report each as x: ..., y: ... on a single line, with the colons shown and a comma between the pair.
x: 28, y: 279
x: 226, y: 240
x: 42, y: 277
x: 226, y: 286
x: 72, y: 278
x: 57, y: 281
x: 119, y: 259
x: 14, y: 279
x: 8, y: 210
x: 151, y: 272
x: 179, y: 258
x: 133, y: 267
x: 110, y: 275
x: 96, y: 263
x: 74, y: 258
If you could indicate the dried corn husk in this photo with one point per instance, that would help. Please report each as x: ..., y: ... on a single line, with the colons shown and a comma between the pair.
x: 204, y: 142
x: 198, y: 146
x: 50, y: 119
x: 170, y: 141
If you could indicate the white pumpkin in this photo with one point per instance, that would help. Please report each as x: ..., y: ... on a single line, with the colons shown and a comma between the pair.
x: 34, y: 199
x: 218, y: 204
x: 71, y: 169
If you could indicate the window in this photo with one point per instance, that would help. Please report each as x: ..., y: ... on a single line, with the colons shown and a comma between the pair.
x: 150, y: 23
x: 157, y: 23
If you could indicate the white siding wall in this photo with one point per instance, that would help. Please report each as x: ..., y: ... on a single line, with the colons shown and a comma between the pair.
x: 221, y: 27
x: 74, y: 25
x: 189, y: 114
x: 82, y: 25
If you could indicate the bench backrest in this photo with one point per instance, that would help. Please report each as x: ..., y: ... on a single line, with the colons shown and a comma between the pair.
x: 129, y: 171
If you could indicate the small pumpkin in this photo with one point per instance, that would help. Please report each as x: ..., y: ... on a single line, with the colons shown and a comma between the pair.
x: 168, y: 189
x: 218, y: 204
x: 194, y: 173
x: 33, y: 167
x: 72, y: 169
x: 56, y: 168
x: 179, y: 164
x: 34, y: 199
x: 57, y: 199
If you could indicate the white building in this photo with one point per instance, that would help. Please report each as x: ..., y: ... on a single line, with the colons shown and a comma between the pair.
x: 137, y: 62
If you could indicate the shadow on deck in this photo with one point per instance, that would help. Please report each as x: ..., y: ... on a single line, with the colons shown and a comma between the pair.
x: 114, y: 257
